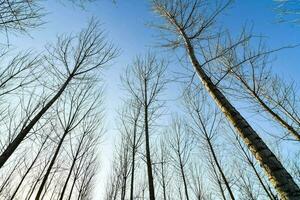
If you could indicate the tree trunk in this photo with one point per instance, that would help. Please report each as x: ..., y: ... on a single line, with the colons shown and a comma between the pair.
x: 28, y: 170
x: 148, y: 154
x: 275, y: 116
x: 23, y: 133
x: 31, y: 190
x: 163, y: 180
x: 279, y: 177
x: 38, y: 195
x: 183, y: 177
x: 71, y: 168
x: 220, y: 169
x: 269, y: 193
x: 5, y: 182
x: 133, y: 163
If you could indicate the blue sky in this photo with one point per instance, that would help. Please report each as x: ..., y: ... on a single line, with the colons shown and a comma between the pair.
x: 125, y: 26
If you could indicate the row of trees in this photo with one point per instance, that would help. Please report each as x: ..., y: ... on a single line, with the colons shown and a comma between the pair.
x: 51, y: 110
x: 52, y: 119
x: 212, y: 151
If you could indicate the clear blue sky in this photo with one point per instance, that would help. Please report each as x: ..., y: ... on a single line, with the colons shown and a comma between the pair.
x: 125, y: 26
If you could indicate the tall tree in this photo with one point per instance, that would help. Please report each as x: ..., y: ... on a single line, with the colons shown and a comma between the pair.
x: 191, y: 25
x: 71, y: 59
x: 205, y: 125
x: 180, y: 151
x: 145, y: 80
x: 71, y: 112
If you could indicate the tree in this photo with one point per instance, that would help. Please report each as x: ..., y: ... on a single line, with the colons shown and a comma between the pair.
x: 162, y: 171
x: 30, y: 167
x: 205, y: 126
x: 180, y: 150
x: 85, y: 144
x: 78, y: 105
x: 69, y: 60
x: 248, y: 158
x: 192, y: 25
x: 130, y: 119
x: 262, y: 87
x: 20, y: 15
x: 120, y: 171
x: 145, y: 80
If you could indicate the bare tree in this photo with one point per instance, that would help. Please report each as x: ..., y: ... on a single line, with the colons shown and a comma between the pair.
x: 86, y: 182
x: 30, y: 167
x: 197, y: 183
x: 163, y: 172
x: 261, y: 87
x: 190, y: 25
x: 205, y: 127
x: 41, y: 168
x: 69, y: 61
x: 120, y: 171
x: 20, y: 15
x: 75, y: 108
x: 130, y: 120
x: 86, y: 143
x: 19, y: 71
x: 7, y: 177
x: 145, y: 80
x: 248, y: 158
x: 180, y: 150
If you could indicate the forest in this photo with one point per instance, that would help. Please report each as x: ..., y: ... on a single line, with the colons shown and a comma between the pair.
x: 149, y: 100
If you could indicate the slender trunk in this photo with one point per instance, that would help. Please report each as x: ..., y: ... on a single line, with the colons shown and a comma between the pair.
x: 148, y: 154
x: 38, y: 195
x: 53, y: 193
x: 123, y: 192
x: 67, y: 180
x: 218, y: 182
x: 279, y: 177
x: 72, y: 188
x: 132, y: 166
x: 28, y: 170
x: 71, y: 168
x: 269, y: 193
x: 275, y: 116
x: 132, y: 176
x: 220, y: 168
x: 5, y: 182
x: 183, y: 177
x: 49, y: 183
x: 31, y: 190
x: 84, y: 183
x: 23, y: 133
x: 280, y: 120
x: 163, y: 180
x: 75, y: 178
